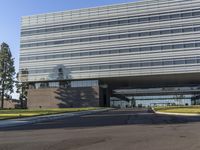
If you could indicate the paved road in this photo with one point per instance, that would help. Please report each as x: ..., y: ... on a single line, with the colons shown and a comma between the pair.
x: 130, y: 129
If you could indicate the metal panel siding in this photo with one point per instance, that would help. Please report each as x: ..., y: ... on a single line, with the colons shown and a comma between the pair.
x: 56, y: 54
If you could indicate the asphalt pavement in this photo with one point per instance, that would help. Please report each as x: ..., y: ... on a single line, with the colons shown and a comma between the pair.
x: 122, y: 129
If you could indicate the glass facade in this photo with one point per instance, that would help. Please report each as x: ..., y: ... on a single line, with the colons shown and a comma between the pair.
x: 133, y: 39
x: 64, y: 84
x: 164, y: 100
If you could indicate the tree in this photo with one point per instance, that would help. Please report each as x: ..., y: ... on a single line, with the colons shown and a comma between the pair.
x: 7, y: 72
x: 22, y: 89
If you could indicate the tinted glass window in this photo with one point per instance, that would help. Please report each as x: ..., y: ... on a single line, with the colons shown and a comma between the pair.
x: 84, y: 26
x: 75, y: 40
x: 175, y: 16
x: 178, y: 46
x: 133, y: 21
x: 144, y: 48
x: 134, y: 49
x: 188, y: 30
x: 114, y: 51
x: 155, y: 18
x: 75, y: 69
x: 156, y: 48
x: 143, y: 19
x: 124, y: 65
x: 166, y: 17
x: 177, y: 62
x: 103, y: 24
x: 156, y: 63
x: 124, y: 50
x: 196, y: 13
x: 94, y: 25
x: 189, y: 45
x: 85, y: 54
x: 168, y: 62
x: 114, y: 66
x: 114, y: 37
x: 104, y: 67
x: 113, y: 23
x: 165, y: 32
x: 66, y: 28
x: 84, y: 40
x: 166, y: 47
x: 133, y: 35
x: 94, y: 67
x: 67, y: 55
x: 197, y: 28
x: 176, y: 30
x: 94, y: 53
x: 197, y: 44
x: 145, y: 64
x: 186, y: 15
x: 104, y: 38
x: 135, y: 65
x: 144, y: 34
x: 124, y: 36
x: 191, y: 61
x: 104, y: 52
x: 155, y: 33
x: 123, y: 21
x: 198, y: 59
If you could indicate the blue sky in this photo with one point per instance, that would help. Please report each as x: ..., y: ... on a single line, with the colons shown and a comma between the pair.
x: 12, y: 10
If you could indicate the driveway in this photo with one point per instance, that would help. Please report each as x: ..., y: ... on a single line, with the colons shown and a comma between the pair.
x: 122, y: 129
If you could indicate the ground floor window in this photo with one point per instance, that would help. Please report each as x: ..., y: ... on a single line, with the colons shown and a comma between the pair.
x: 64, y: 84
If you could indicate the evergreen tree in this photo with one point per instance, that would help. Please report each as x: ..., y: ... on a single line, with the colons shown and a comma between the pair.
x: 7, y: 72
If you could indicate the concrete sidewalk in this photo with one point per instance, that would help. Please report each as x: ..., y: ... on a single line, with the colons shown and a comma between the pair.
x: 175, y: 114
x: 32, y: 120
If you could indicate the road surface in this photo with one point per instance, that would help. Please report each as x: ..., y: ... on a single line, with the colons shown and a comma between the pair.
x: 130, y: 129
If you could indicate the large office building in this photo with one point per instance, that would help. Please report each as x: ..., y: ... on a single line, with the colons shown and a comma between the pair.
x: 142, y: 53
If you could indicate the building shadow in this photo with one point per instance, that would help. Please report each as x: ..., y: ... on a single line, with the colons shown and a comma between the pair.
x: 77, y: 97
x: 110, y: 118
x: 67, y: 95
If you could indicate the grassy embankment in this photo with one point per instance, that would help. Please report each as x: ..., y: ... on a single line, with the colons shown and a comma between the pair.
x: 19, y: 113
x: 179, y: 109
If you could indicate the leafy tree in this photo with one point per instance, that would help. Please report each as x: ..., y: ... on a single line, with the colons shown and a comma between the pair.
x: 22, y: 89
x: 7, y: 72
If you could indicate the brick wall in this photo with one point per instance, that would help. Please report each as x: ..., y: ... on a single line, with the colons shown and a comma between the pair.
x: 11, y: 103
x: 63, y: 97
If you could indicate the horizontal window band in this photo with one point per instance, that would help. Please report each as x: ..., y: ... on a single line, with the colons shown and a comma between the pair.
x: 114, y: 21
x: 112, y: 37
x: 115, y: 51
x: 37, y: 52
x: 138, y: 33
x: 161, y: 62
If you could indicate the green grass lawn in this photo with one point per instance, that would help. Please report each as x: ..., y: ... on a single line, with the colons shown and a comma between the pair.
x: 19, y: 113
x: 179, y: 109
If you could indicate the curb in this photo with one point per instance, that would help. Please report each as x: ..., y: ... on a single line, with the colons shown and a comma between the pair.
x: 175, y: 114
x: 33, y: 120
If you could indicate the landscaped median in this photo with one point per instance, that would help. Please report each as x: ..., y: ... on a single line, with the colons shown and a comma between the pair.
x: 178, y: 110
x: 19, y: 113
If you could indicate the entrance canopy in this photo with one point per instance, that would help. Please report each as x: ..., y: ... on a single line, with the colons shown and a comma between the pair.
x: 158, y: 91
x: 157, y: 81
